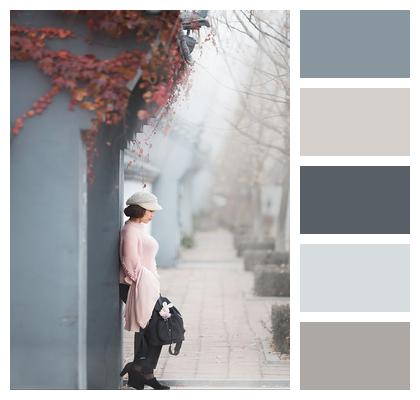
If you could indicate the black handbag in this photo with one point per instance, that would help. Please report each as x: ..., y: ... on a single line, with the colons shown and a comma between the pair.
x: 167, y: 331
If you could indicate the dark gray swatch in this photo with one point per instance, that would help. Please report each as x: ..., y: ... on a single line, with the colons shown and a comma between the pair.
x: 332, y: 274
x: 359, y: 200
x: 355, y: 44
x: 355, y: 355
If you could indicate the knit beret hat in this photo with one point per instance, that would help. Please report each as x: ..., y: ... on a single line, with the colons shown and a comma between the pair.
x: 144, y: 199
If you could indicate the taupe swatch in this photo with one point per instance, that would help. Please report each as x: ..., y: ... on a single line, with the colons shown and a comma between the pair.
x: 355, y: 355
x: 353, y: 122
x: 355, y: 277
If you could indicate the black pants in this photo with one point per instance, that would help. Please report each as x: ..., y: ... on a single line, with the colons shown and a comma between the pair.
x: 146, y: 355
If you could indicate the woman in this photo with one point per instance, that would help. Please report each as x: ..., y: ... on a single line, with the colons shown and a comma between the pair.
x: 140, y: 287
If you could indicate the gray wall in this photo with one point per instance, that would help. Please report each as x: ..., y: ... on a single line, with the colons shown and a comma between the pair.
x: 185, y: 193
x: 65, y: 311
x: 173, y: 156
x: 103, y: 304
x: 48, y: 242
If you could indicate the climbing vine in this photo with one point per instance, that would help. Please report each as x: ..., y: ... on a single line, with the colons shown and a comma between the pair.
x: 100, y: 86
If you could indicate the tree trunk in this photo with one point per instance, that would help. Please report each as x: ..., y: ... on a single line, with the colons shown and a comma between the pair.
x: 282, y: 237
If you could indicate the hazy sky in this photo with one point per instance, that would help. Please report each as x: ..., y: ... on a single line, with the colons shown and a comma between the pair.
x: 213, y: 98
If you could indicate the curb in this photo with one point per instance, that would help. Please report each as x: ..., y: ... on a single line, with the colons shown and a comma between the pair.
x: 270, y: 357
x: 221, y: 384
x: 276, y: 299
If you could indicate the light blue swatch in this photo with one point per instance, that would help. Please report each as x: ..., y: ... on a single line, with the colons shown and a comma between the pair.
x: 355, y: 277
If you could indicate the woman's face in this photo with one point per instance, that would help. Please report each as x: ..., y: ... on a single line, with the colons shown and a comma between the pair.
x: 147, y: 217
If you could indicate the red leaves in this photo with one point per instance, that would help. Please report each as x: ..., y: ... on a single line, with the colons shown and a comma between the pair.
x: 142, y: 115
x: 147, y: 96
x: 79, y: 94
x: 18, y: 125
x: 101, y: 85
x: 91, y: 23
x: 37, y: 108
x: 62, y: 34
x: 89, y: 138
x: 47, y: 65
x: 161, y: 95
x: 88, y: 105
x: 63, y: 54
x: 161, y: 73
x: 29, y: 43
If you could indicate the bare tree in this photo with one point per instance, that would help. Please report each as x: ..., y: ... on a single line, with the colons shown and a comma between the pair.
x: 262, y: 119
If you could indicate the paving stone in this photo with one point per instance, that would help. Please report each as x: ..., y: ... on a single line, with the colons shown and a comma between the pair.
x: 224, y: 320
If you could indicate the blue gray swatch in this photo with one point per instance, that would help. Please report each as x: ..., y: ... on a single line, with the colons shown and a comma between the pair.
x: 355, y: 355
x: 355, y: 44
x: 355, y: 277
x: 358, y: 200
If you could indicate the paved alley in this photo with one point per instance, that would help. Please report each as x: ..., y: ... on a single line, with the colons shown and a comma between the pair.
x: 228, y: 339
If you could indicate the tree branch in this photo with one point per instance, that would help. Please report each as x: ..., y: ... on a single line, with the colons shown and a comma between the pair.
x: 265, y: 33
x: 255, y: 140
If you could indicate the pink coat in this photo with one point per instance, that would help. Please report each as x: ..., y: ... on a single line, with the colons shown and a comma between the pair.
x: 138, y: 250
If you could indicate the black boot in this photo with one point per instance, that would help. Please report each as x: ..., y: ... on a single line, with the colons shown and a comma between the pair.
x: 153, y: 382
x: 135, y: 378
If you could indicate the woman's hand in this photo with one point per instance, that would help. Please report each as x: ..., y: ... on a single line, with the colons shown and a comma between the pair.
x: 128, y: 280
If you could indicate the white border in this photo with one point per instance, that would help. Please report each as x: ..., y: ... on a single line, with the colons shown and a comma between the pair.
x: 294, y: 199
x: 355, y: 317
x: 354, y: 239
x: 296, y: 83
x: 354, y: 161
x: 324, y: 83
x: 216, y: 4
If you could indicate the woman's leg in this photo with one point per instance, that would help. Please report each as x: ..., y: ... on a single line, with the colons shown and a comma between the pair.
x: 138, y: 335
x: 150, y: 363
x: 124, y: 292
x: 140, y: 350
x: 146, y: 355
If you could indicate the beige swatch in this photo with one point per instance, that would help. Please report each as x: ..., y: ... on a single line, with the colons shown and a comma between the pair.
x: 355, y: 122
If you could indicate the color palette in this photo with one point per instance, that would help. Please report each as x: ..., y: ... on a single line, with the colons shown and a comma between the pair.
x: 355, y: 216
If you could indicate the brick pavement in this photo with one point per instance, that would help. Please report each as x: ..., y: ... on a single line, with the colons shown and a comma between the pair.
x: 227, y: 328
